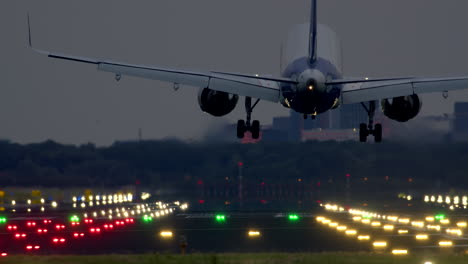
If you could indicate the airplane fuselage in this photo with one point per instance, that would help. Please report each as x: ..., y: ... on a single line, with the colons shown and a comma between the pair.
x: 311, y: 96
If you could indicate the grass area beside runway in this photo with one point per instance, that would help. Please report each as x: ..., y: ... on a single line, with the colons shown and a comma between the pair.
x: 261, y: 258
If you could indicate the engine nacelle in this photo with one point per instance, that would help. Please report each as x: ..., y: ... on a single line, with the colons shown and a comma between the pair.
x: 402, y: 108
x: 216, y: 103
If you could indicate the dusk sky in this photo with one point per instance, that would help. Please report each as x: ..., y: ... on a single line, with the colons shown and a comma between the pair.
x: 42, y: 98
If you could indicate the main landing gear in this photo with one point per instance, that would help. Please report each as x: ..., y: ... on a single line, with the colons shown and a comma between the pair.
x: 368, y: 129
x: 244, y: 126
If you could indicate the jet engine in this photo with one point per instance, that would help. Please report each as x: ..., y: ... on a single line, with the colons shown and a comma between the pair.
x: 402, y: 108
x: 216, y: 103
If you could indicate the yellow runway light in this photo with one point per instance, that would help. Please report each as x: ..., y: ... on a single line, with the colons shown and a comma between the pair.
x: 380, y: 244
x: 392, y: 218
x: 351, y: 232
x: 363, y: 237
x: 357, y: 218
x: 166, y: 234
x: 430, y: 219
x: 454, y: 231
x: 422, y: 237
x: 365, y: 221
x: 461, y: 224
x: 417, y: 224
x: 400, y: 252
x: 404, y: 220
x: 445, y: 243
x: 254, y: 233
x: 388, y: 227
x: 433, y: 227
x: 341, y: 228
x: 402, y: 231
x: 326, y: 221
x: 320, y: 218
x: 375, y: 224
x: 445, y: 221
x: 333, y: 224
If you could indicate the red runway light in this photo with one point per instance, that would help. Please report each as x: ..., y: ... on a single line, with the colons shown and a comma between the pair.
x: 29, y: 247
x: 20, y: 235
x: 37, y: 247
x: 88, y: 221
x: 47, y: 221
x: 12, y: 227
x: 57, y: 240
x: 75, y: 223
x: 42, y: 231
x: 4, y: 254
x: 129, y: 220
x: 31, y: 224
x: 77, y: 235
x: 58, y: 227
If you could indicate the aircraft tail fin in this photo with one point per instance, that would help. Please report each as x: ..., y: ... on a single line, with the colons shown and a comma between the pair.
x: 313, y: 32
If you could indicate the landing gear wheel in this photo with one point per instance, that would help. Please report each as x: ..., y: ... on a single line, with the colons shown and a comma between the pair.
x: 255, y: 129
x: 363, y: 132
x: 378, y: 133
x: 241, y: 128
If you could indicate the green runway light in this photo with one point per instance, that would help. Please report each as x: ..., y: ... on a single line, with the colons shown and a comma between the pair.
x: 220, y: 218
x: 74, y: 218
x: 293, y: 217
x: 3, y: 220
x: 147, y: 218
x: 440, y: 217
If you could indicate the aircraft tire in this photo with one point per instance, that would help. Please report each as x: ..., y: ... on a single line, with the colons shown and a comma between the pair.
x: 378, y: 133
x: 363, y: 132
x: 255, y: 129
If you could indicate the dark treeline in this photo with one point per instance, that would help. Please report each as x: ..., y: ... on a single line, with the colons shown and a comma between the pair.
x: 175, y: 164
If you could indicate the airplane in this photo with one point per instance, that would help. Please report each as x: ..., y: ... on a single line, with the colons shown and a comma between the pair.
x: 311, y: 83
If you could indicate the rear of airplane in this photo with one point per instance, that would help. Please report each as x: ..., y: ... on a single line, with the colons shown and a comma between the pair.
x: 311, y: 40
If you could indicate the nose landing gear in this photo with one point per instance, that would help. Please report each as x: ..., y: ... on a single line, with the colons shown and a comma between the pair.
x: 369, y: 129
x: 244, y: 126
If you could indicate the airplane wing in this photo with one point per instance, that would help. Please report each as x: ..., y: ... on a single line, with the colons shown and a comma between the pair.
x: 370, y: 90
x: 264, y: 88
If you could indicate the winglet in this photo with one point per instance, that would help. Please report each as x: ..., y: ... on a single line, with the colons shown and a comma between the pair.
x: 29, y: 32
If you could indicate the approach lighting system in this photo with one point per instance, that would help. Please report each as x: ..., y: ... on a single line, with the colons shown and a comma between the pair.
x: 220, y: 218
